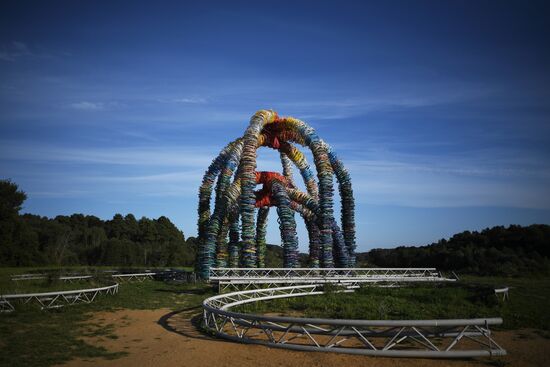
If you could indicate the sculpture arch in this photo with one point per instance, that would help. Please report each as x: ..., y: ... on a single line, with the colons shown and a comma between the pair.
x: 231, y: 235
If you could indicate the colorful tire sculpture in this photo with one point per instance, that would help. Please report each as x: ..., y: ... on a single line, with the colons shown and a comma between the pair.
x: 222, y: 243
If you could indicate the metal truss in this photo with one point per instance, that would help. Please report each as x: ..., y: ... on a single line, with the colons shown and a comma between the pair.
x: 140, y: 277
x: 458, y: 338
x: 73, y: 278
x: 247, y: 278
x: 28, y: 277
x: 239, y: 284
x: 69, y: 279
x: 55, y: 299
x: 286, y: 273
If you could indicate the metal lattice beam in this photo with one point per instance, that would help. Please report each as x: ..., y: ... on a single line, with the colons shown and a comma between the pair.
x: 455, y: 338
x: 55, y: 299
x: 73, y: 278
x: 246, y: 278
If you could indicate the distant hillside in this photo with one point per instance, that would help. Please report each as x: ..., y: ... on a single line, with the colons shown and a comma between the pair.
x: 498, y: 250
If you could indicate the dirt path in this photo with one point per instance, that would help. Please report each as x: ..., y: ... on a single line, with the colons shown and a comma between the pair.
x: 160, y: 338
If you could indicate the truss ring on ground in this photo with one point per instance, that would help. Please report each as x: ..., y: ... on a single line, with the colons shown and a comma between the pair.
x: 450, y: 338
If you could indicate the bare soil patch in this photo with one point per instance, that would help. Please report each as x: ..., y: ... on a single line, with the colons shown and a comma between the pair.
x: 163, y: 338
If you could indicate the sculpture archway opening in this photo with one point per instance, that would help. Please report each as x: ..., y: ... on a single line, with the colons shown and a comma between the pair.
x: 234, y: 233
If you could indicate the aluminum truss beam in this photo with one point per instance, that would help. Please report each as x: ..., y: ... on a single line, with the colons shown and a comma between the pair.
x: 55, y: 299
x: 286, y: 273
x: 455, y: 338
x: 118, y: 277
x: 245, y: 278
x: 140, y: 277
x: 224, y: 286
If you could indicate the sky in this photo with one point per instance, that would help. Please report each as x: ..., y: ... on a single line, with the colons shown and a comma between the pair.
x: 440, y: 110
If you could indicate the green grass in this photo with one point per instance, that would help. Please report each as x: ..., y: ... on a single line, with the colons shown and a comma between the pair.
x: 33, y: 337
x: 52, y: 283
x: 472, y: 297
x: 529, y: 303
x: 374, y: 303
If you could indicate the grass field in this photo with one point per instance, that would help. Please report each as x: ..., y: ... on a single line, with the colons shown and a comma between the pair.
x: 33, y: 337
x: 374, y: 303
x: 52, y: 274
x: 529, y: 303
x: 471, y: 297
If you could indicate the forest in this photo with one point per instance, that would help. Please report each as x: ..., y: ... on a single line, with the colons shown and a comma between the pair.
x: 498, y: 250
x: 32, y: 240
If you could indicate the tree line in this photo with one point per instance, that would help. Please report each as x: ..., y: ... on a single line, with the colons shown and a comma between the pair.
x: 493, y: 251
x: 32, y: 240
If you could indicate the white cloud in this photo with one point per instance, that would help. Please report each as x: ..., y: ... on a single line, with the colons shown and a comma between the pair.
x: 184, y: 100
x: 190, y: 100
x: 94, y: 106
x: 87, y: 106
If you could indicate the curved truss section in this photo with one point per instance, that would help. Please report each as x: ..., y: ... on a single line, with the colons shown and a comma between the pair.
x: 234, y: 175
x: 458, y: 338
x: 55, y: 299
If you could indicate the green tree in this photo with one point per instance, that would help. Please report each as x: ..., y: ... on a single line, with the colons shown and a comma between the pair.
x: 18, y: 242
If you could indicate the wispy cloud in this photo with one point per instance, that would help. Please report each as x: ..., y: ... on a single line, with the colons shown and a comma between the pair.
x: 93, y: 106
x: 392, y: 97
x: 87, y: 106
x: 190, y: 100
x: 134, y: 156
x: 476, y: 178
x: 14, y: 51
x: 171, y: 177
x: 184, y: 100
x: 58, y: 194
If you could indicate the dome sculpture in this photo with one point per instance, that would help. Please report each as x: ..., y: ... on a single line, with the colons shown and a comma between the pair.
x: 233, y: 234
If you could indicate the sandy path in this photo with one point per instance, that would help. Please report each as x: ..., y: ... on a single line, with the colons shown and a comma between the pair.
x: 178, y: 343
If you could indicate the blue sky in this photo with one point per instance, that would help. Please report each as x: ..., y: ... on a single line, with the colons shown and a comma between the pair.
x: 439, y: 109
